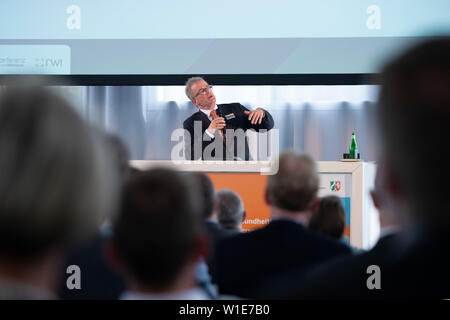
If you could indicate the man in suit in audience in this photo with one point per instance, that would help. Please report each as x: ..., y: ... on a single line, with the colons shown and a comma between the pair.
x: 244, y: 262
x: 413, y: 263
x: 348, y: 268
x: 158, y: 237
x: 206, y: 130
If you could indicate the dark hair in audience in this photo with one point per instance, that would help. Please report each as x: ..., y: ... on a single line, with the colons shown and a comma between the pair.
x: 414, y: 114
x: 55, y: 180
x: 230, y: 209
x: 329, y: 218
x: 157, y: 227
x: 294, y: 187
x: 202, y: 184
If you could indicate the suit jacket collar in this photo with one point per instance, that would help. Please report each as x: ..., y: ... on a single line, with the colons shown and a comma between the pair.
x: 202, y: 117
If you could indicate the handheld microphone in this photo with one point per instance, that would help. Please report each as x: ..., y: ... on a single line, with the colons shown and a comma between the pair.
x: 219, y: 113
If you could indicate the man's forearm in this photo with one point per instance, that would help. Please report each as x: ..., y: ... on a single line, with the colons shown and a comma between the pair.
x: 266, y: 122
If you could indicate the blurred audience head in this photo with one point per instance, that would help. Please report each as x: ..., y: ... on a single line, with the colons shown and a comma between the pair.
x: 121, y: 156
x: 414, y: 112
x: 388, y: 213
x: 330, y: 218
x: 230, y: 209
x: 158, y: 234
x: 56, y: 179
x: 293, y: 189
x: 203, y: 186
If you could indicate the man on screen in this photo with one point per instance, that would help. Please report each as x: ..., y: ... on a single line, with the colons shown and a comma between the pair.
x: 217, y: 132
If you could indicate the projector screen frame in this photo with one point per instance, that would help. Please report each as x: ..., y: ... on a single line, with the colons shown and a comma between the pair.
x: 216, y: 79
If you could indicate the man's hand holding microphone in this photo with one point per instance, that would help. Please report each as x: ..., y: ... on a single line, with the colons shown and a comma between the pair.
x: 216, y: 124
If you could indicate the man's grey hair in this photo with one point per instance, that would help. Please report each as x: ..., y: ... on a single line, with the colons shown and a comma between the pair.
x: 230, y: 209
x: 56, y: 180
x: 296, y: 184
x: 189, y: 83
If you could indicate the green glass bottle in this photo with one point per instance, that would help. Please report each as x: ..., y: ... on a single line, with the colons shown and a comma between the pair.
x: 353, y: 147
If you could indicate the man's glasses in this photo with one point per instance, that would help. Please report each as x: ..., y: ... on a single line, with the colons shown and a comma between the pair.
x: 203, y: 91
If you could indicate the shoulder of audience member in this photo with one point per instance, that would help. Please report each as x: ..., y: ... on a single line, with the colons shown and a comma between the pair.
x: 331, y: 243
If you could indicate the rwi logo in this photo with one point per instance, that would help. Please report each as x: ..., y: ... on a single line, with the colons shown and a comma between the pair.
x: 335, y: 185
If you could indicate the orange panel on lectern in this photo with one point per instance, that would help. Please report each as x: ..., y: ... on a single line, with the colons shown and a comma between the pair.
x: 251, y: 188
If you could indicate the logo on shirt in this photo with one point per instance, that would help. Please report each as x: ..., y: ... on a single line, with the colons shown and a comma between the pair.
x: 230, y: 116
